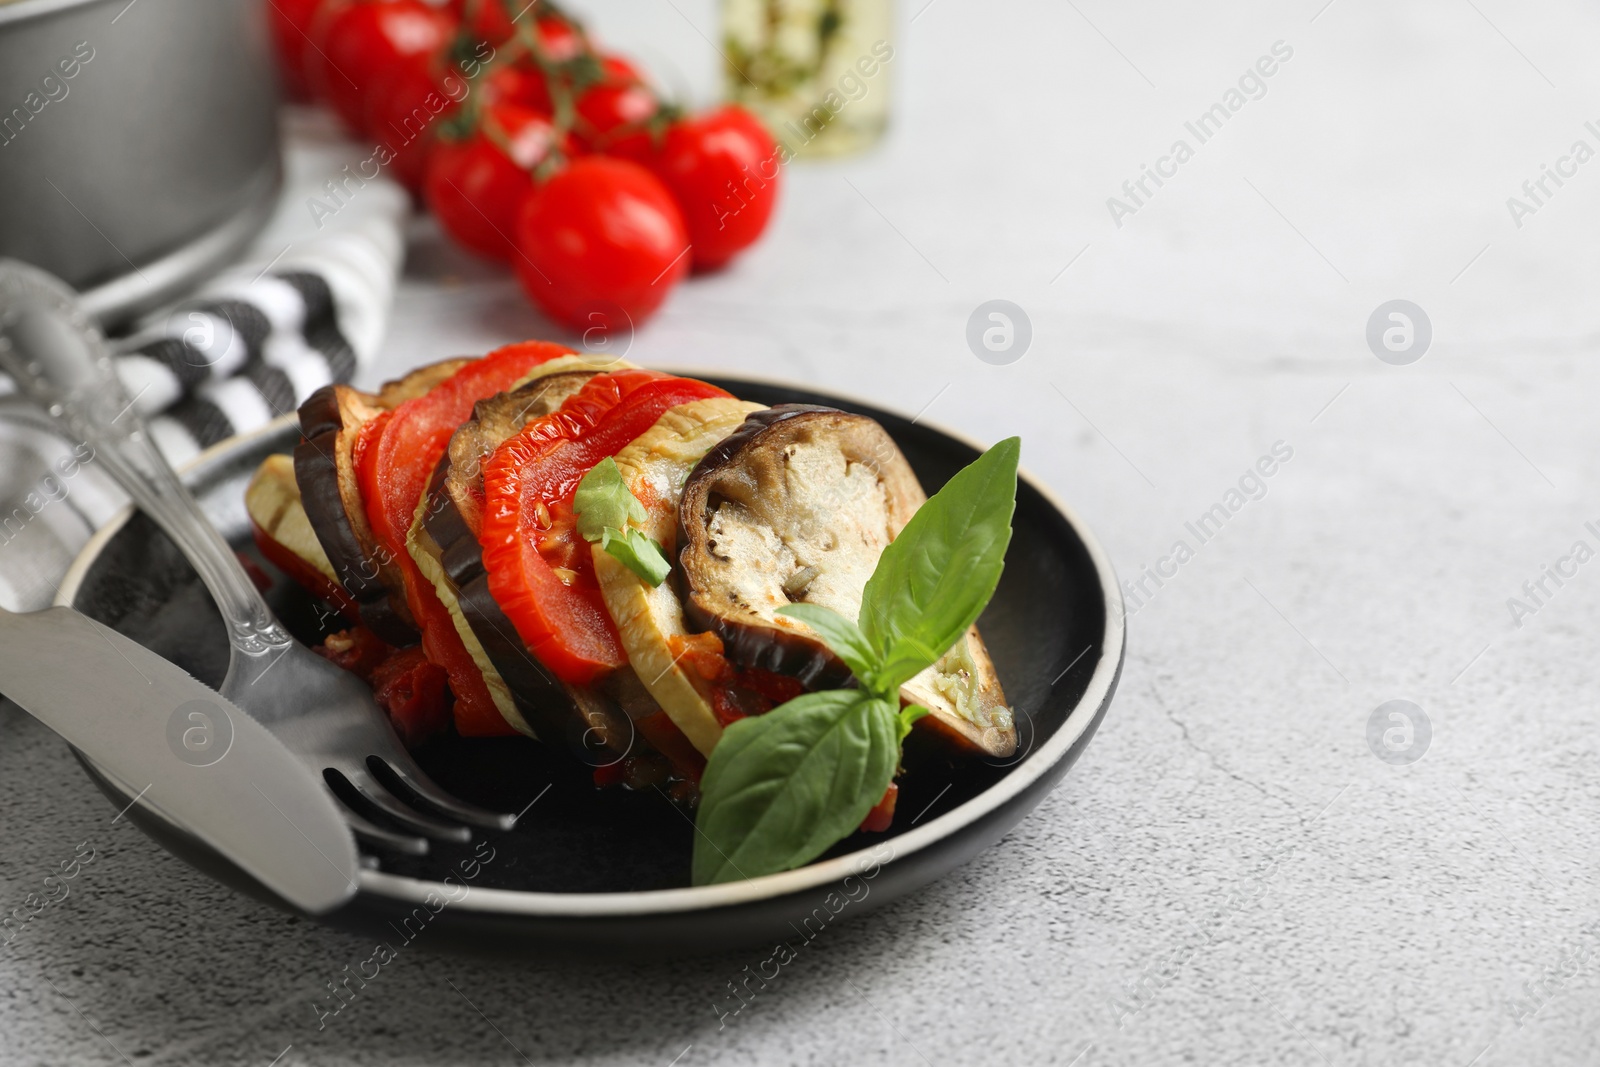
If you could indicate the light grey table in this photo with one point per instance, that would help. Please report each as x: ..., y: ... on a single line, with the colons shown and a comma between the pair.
x: 1232, y: 874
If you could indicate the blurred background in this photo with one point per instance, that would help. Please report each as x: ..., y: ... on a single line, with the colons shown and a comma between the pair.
x: 1239, y: 870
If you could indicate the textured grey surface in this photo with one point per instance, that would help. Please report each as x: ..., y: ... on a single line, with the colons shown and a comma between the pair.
x: 1229, y: 876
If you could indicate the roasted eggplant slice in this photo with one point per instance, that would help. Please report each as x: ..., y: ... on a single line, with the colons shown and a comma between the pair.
x: 796, y: 506
x: 650, y: 620
x: 963, y: 692
x: 444, y: 543
x: 324, y: 467
x: 460, y: 474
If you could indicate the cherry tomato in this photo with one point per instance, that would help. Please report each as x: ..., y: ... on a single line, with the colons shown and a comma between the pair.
x: 355, y: 40
x: 723, y: 170
x: 491, y: 20
x: 621, y: 67
x: 561, y: 40
x: 476, y: 186
x: 602, y: 237
x: 291, y: 21
x: 518, y: 85
x: 404, y: 109
x: 487, y: 19
x: 611, y: 113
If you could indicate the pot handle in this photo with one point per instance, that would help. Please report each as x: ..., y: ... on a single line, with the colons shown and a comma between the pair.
x: 61, y: 362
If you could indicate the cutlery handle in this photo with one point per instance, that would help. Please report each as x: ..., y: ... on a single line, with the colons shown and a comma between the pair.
x: 62, y: 363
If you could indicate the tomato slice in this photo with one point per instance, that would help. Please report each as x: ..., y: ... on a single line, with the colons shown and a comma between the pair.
x: 736, y: 693
x: 665, y: 737
x: 411, y: 688
x: 357, y: 650
x: 881, y: 817
x: 404, y: 683
x: 394, y: 465
x: 540, y: 572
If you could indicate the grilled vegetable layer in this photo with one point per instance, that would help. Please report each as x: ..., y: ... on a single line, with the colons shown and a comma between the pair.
x: 797, y: 506
x: 324, y: 464
x: 650, y: 619
x: 443, y: 541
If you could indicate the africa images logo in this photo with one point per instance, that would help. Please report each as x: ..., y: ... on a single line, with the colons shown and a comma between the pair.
x: 199, y: 732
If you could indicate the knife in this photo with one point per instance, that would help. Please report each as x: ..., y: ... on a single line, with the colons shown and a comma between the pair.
x: 196, y: 758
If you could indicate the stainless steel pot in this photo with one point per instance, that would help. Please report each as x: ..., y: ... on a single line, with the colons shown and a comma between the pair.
x: 138, y: 141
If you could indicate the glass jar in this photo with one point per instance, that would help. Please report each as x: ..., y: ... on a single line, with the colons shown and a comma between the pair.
x: 816, y: 71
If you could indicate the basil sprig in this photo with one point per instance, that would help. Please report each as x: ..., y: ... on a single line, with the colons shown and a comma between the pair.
x: 782, y: 788
x: 605, y: 506
x: 639, y: 552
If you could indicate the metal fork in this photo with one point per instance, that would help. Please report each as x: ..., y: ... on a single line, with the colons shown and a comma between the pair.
x: 325, y: 715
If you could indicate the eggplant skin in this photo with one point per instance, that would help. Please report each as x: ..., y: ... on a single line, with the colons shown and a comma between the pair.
x: 316, y: 473
x: 324, y: 469
x: 754, y: 423
x: 797, y: 505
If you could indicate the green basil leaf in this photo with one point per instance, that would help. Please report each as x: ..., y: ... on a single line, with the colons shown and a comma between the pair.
x: 934, y: 580
x: 781, y: 788
x: 842, y: 636
x: 603, y: 499
x: 907, y: 718
x: 639, y: 552
x: 907, y: 659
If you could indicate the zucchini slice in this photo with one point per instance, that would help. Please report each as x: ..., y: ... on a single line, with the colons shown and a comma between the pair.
x: 655, y: 466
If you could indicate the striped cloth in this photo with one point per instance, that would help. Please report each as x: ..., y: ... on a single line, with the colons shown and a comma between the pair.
x: 223, y: 365
x: 308, y: 305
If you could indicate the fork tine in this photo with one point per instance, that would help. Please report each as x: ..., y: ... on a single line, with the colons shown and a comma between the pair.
x: 373, y: 834
x: 410, y: 778
x: 371, y: 793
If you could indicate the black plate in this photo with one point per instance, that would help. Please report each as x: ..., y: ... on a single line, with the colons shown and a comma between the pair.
x: 588, y: 869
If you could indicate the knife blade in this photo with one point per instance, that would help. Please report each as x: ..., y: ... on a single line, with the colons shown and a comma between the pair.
x: 194, y: 756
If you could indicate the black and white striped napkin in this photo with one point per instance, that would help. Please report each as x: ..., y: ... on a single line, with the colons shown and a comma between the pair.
x: 228, y: 364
